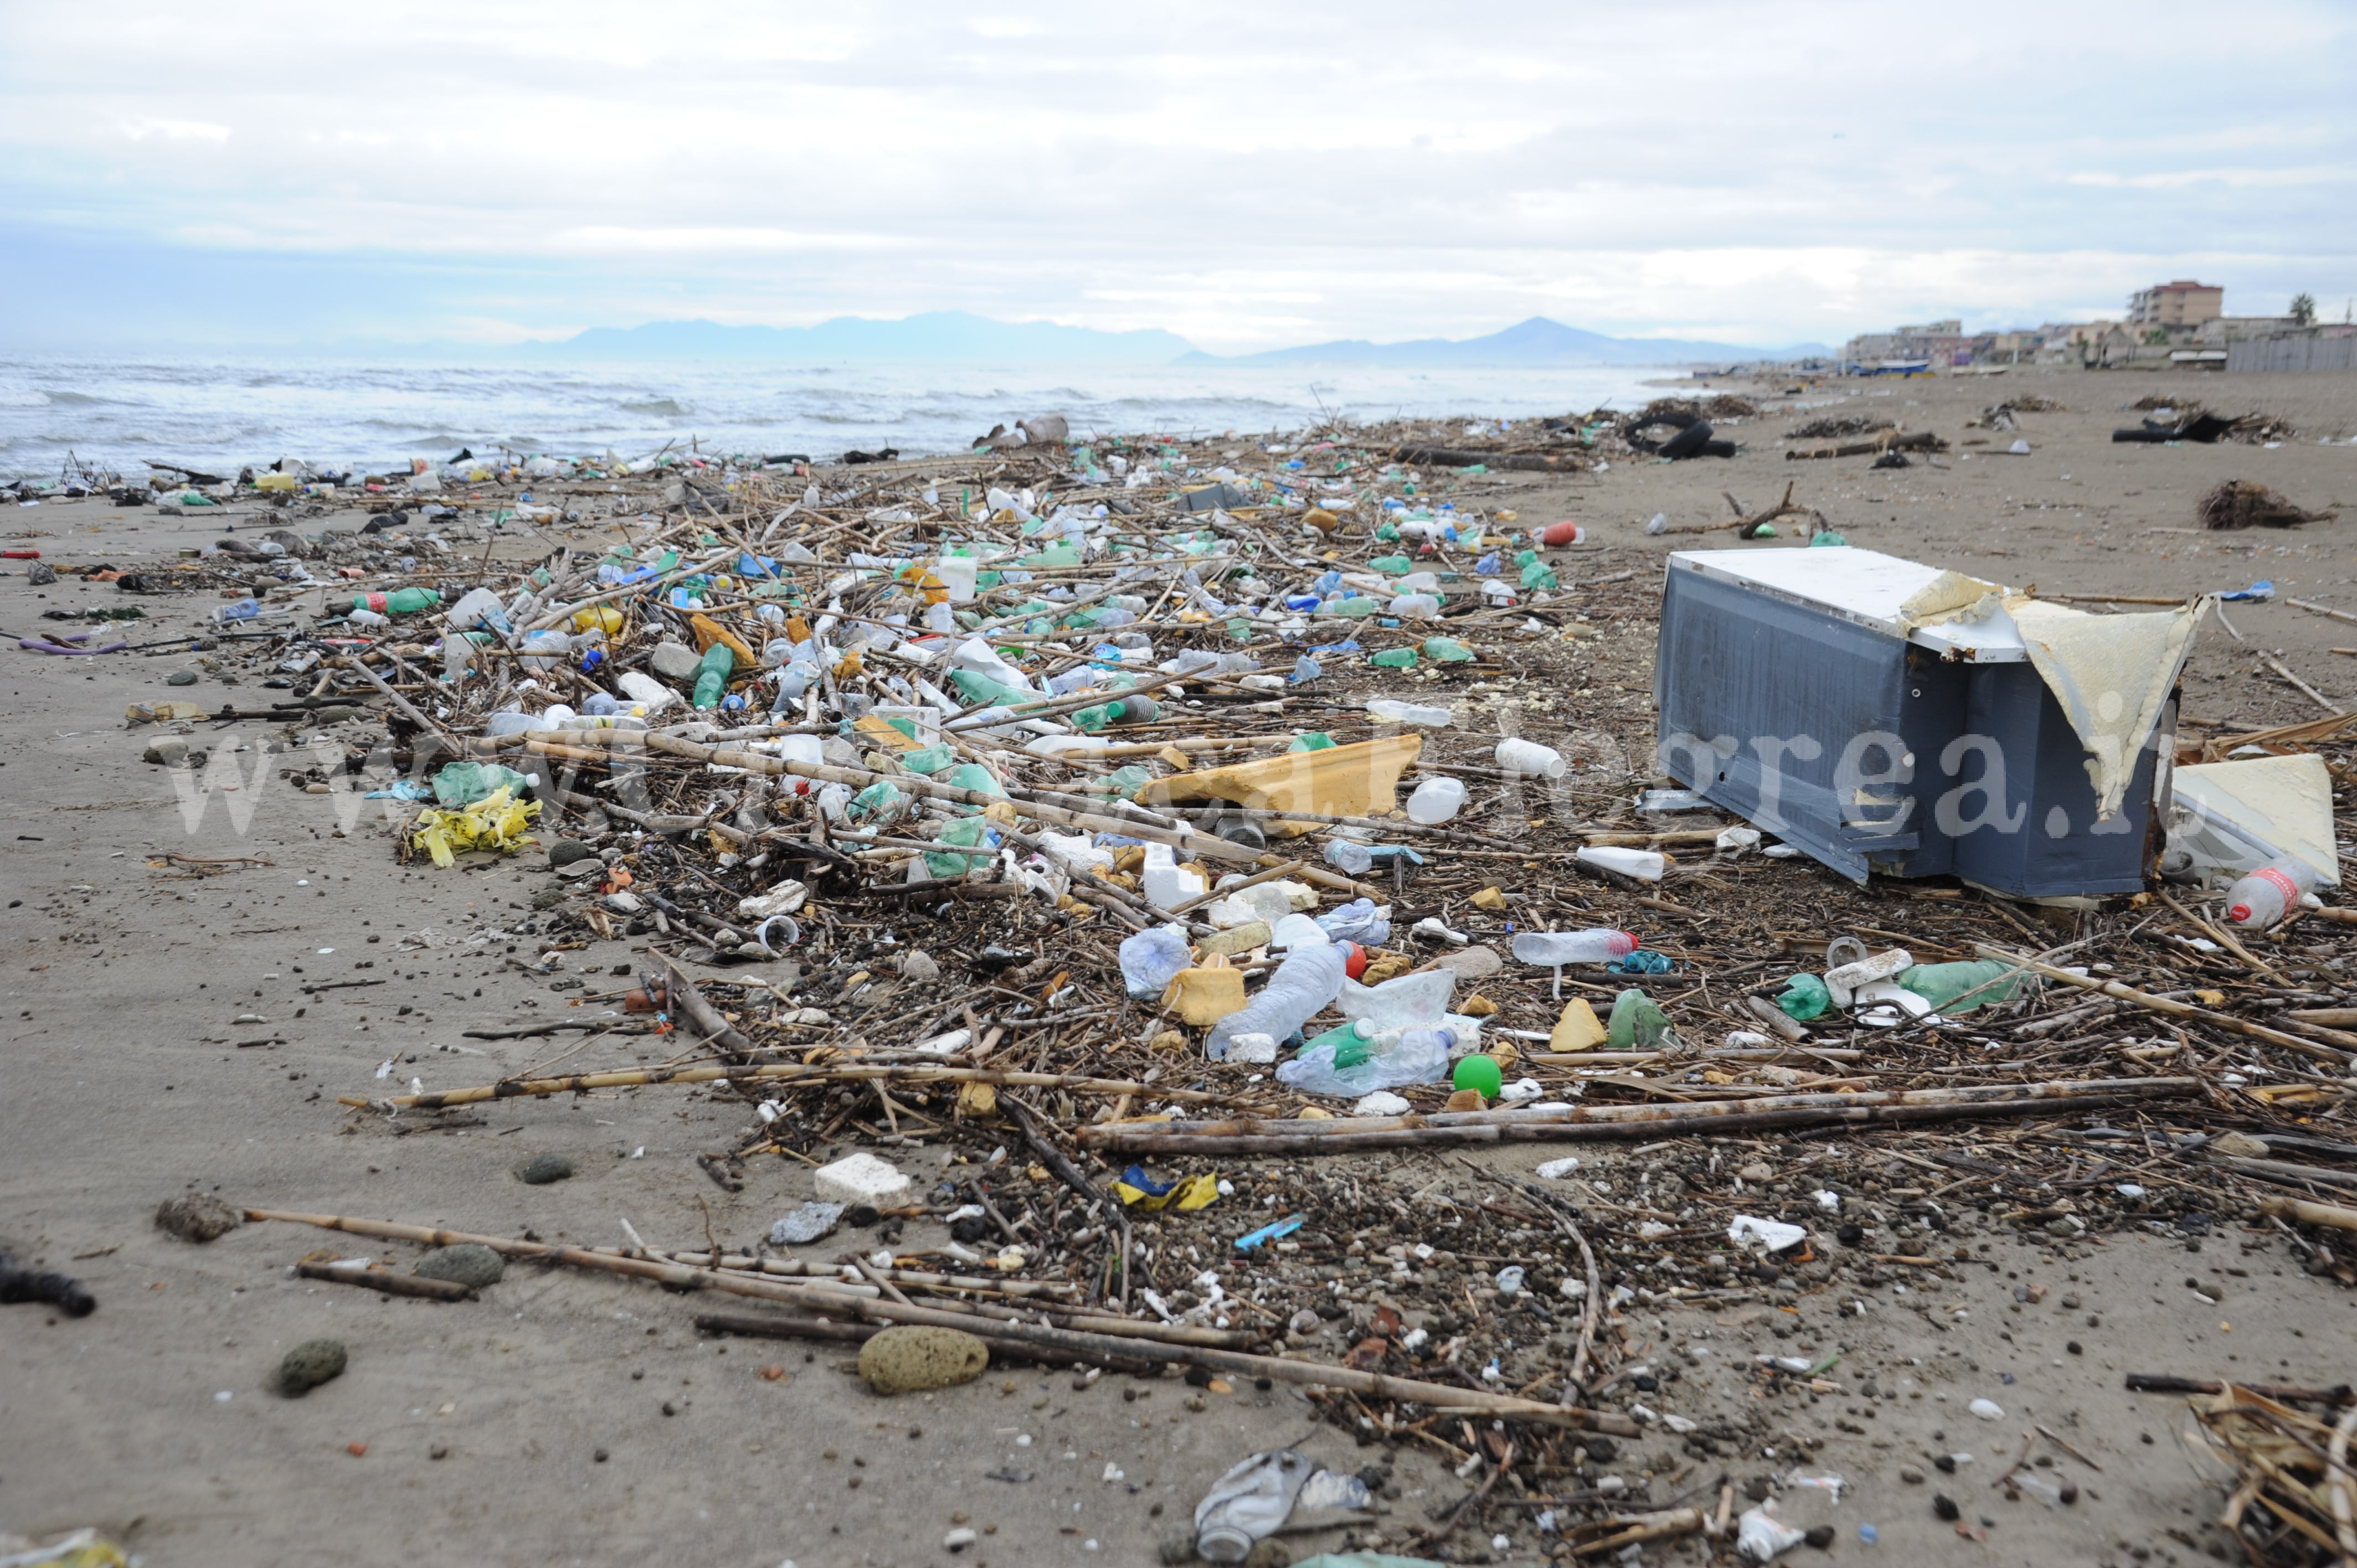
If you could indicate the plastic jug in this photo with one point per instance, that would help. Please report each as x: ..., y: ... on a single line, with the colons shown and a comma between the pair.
x: 1436, y: 800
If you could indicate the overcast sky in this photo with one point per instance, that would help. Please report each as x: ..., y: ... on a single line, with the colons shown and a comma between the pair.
x: 1248, y: 176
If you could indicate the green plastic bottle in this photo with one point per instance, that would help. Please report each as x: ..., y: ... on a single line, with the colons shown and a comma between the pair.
x: 712, y: 675
x: 1350, y: 1042
x: 399, y: 602
x: 1394, y: 658
x: 975, y: 687
x: 1446, y: 650
x: 1391, y: 565
x: 1358, y: 606
x: 1130, y: 710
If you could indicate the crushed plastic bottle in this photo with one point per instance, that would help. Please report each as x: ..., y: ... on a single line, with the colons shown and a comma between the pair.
x: 1249, y: 1504
x: 1436, y: 800
x: 1397, y: 1059
x: 1300, y: 989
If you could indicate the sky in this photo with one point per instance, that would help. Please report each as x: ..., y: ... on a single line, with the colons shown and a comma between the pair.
x: 251, y: 174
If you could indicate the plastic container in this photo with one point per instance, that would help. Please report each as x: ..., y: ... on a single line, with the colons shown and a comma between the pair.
x: 545, y: 650
x: 1530, y: 759
x: 2264, y: 897
x: 1390, y: 710
x: 1416, y: 607
x: 237, y: 610
x: 1436, y: 800
x: 1555, y: 535
x: 957, y: 573
x: 1644, y: 865
x: 1166, y: 885
x: 1330, y: 1066
x: 1300, y: 989
x: 479, y: 608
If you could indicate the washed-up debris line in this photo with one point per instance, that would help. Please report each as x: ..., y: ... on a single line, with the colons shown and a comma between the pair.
x: 1039, y: 808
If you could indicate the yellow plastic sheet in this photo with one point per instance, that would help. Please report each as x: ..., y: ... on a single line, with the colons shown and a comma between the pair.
x: 498, y: 821
x: 1195, y: 1192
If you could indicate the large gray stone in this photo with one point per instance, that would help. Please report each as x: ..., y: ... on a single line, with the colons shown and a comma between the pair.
x: 674, y: 660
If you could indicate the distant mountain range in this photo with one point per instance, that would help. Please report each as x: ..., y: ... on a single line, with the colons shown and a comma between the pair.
x: 958, y: 335
x: 934, y: 335
x: 1537, y: 342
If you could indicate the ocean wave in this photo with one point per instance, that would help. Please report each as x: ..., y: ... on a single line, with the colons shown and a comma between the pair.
x: 658, y: 408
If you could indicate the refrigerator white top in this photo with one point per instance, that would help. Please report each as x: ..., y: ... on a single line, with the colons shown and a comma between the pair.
x: 1865, y: 587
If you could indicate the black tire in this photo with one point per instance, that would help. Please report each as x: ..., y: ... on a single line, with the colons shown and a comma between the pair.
x: 1689, y: 441
x: 1635, y: 431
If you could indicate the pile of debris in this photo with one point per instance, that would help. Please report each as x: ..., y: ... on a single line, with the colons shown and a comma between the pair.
x: 1193, y: 844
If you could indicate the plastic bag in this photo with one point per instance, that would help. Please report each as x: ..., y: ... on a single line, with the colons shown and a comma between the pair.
x: 1638, y: 1022
x: 464, y: 783
x: 1942, y: 983
x: 498, y: 823
x: 1805, y: 997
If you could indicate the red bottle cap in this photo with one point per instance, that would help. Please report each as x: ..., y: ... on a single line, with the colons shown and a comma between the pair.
x: 1354, y: 963
x: 2239, y: 913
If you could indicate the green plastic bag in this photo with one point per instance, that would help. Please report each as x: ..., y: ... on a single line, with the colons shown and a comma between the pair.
x: 1316, y: 740
x: 1942, y: 983
x: 464, y: 783
x: 873, y: 801
x: 1637, y: 1022
x: 929, y: 759
x: 966, y: 833
x: 1805, y: 997
x: 1538, y: 575
x: 1828, y: 539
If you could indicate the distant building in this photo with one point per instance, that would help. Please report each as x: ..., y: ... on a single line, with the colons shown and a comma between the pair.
x: 1937, y: 341
x: 2221, y: 330
x: 2181, y: 304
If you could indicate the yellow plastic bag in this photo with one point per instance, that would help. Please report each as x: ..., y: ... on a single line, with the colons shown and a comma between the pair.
x: 497, y: 822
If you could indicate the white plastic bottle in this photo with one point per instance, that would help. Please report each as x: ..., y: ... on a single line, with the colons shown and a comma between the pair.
x: 1427, y: 716
x: 2262, y: 898
x: 1644, y: 865
x: 1300, y: 989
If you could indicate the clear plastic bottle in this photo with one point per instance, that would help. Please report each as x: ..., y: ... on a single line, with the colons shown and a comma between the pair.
x: 2263, y: 898
x: 1300, y: 990
x: 1555, y: 949
x: 1390, y: 710
x: 1351, y: 1068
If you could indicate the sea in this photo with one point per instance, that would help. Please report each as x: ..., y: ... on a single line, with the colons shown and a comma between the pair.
x: 123, y: 416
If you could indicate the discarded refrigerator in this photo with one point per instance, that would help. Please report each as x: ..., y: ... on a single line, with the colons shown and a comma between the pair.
x: 1886, y: 716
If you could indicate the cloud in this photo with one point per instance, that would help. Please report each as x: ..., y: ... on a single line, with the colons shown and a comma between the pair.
x: 1246, y: 174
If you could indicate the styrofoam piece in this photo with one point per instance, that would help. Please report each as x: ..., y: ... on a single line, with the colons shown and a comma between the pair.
x: 861, y: 1178
x: 1843, y: 981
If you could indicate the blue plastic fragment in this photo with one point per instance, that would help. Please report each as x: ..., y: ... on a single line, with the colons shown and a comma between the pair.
x: 1286, y: 1226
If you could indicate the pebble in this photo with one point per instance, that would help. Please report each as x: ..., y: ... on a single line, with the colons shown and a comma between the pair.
x: 1945, y: 1506
x: 542, y: 1169
x: 909, y: 1359
x: 1911, y: 1474
x: 470, y: 1263
x: 181, y: 678
x: 309, y: 1364
x: 197, y: 1217
x: 921, y: 966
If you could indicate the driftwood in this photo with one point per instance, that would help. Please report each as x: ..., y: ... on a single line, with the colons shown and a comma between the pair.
x: 1001, y: 1348
x: 1743, y: 522
x: 1521, y: 462
x: 2128, y: 993
x: 1890, y: 441
x: 387, y: 1283
x: 782, y: 1073
x: 1598, y: 1122
x: 2164, y: 1383
x: 1096, y: 1347
x: 2331, y: 1216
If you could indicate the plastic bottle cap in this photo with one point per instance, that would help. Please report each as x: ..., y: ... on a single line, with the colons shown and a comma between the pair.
x: 2239, y: 913
x: 1354, y: 961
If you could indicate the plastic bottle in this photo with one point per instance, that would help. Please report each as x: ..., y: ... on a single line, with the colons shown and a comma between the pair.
x: 1131, y: 710
x: 1362, y: 1065
x: 1528, y: 757
x: 1556, y: 535
x: 479, y: 607
x: 1416, y: 607
x: 1300, y: 990
x: 2264, y: 896
x: 712, y: 674
x: 1297, y: 931
x: 1390, y: 710
x: 241, y: 610
x: 1644, y: 865
x: 1436, y: 800
x: 1598, y: 944
x: 1249, y: 1503
x: 399, y: 602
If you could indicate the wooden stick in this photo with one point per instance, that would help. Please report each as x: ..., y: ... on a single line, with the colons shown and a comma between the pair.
x: 860, y: 1333
x: 2145, y: 1000
x: 2166, y: 1383
x: 1095, y: 1346
x: 387, y: 1281
x: 777, y: 1072
x: 2330, y: 1215
x: 2310, y: 693
x: 2322, y: 609
x: 1598, y: 1122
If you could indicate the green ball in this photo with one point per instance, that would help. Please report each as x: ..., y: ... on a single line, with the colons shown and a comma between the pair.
x: 1478, y: 1072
